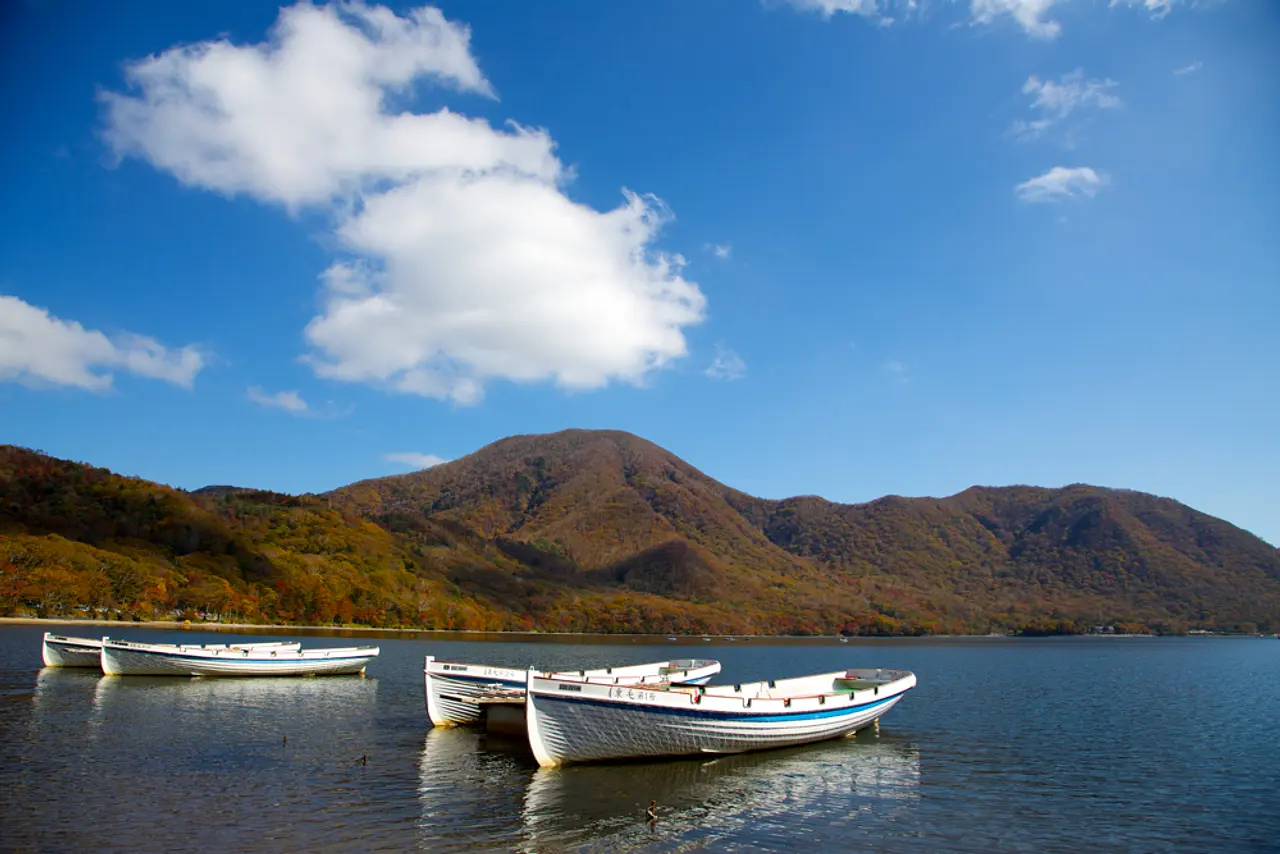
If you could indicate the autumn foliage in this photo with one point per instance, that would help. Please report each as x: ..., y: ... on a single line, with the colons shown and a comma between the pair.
x: 604, y: 532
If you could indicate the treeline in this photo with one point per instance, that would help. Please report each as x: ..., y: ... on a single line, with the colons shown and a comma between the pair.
x: 50, y: 576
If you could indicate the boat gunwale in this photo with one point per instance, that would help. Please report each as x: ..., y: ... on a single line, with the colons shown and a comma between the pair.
x: 703, y: 703
x: 67, y: 640
x: 662, y: 671
x: 744, y: 715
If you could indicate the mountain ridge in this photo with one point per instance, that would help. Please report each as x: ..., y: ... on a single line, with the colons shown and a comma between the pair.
x: 1102, y: 542
x: 603, y: 530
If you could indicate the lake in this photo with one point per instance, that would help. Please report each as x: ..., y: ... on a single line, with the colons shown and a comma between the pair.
x: 1065, y: 744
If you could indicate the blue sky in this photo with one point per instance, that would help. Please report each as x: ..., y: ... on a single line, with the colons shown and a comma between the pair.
x: 843, y: 247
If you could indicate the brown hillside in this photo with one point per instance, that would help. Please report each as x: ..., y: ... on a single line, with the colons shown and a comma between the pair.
x: 603, y: 531
x: 609, y: 501
x: 78, y: 540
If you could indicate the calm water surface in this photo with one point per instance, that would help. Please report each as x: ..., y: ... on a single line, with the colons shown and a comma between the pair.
x: 1007, y: 745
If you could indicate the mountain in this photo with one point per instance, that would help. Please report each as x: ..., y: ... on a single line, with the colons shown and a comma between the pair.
x: 604, y: 531
x: 617, y: 506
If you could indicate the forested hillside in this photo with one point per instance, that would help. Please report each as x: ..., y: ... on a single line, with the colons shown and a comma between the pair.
x: 603, y: 531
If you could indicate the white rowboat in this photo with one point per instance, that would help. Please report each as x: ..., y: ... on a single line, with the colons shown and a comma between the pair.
x: 575, y: 720
x: 63, y: 651
x: 125, y: 658
x: 454, y: 691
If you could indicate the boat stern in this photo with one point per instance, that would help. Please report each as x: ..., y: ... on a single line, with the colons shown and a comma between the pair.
x: 696, y: 671
x: 49, y: 656
x: 59, y: 651
x: 537, y: 742
x: 432, y: 702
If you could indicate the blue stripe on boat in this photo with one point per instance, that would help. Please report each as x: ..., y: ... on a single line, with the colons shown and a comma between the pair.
x: 726, y: 716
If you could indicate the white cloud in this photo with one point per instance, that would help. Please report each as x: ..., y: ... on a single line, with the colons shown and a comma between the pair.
x: 290, y: 401
x: 37, y: 348
x: 723, y: 251
x: 304, y: 117
x: 501, y: 275
x: 827, y: 8
x: 415, y: 460
x: 468, y: 262
x: 1157, y: 8
x: 727, y: 365
x: 896, y: 370
x: 1189, y: 69
x: 1060, y: 183
x: 1057, y: 101
x: 1031, y: 15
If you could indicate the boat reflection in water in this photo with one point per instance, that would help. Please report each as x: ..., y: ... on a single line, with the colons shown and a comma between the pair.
x: 63, y: 687
x: 148, y: 708
x: 738, y: 798
x: 307, y: 697
x: 177, y: 760
x: 471, y: 787
x: 60, y: 707
x: 777, y: 798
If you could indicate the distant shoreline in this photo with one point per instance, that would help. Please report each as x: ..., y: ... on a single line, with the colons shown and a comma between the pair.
x: 180, y: 624
x: 215, y: 627
x: 195, y: 626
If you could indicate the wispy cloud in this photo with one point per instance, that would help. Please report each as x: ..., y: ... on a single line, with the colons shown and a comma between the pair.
x: 723, y: 251
x: 1189, y: 69
x: 1031, y: 15
x: 1061, y: 183
x: 895, y: 370
x: 827, y: 8
x: 414, y: 459
x: 290, y: 401
x: 1157, y: 8
x: 38, y: 349
x: 727, y: 365
x: 293, y: 403
x: 1054, y: 101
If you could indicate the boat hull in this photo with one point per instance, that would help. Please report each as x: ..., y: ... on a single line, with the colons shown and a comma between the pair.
x: 122, y: 660
x: 585, y: 724
x: 453, y: 690
x: 58, y: 651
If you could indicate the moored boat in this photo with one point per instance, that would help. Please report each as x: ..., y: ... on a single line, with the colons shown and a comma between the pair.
x: 456, y: 692
x: 574, y: 720
x: 126, y: 658
x: 63, y: 651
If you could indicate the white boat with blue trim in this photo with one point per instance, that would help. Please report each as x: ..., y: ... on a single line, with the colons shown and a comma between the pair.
x: 457, y: 693
x: 63, y: 651
x: 126, y: 658
x: 576, y: 720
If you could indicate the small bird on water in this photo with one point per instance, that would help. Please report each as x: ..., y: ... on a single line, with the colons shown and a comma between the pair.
x: 652, y: 811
